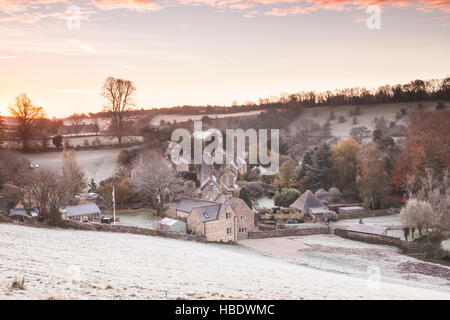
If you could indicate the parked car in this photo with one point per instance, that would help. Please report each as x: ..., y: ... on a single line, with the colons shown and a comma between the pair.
x: 92, y: 196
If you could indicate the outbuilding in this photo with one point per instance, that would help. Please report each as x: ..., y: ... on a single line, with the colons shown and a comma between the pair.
x: 172, y: 225
x: 82, y: 212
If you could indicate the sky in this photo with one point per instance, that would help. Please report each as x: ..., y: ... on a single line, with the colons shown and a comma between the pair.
x: 199, y: 52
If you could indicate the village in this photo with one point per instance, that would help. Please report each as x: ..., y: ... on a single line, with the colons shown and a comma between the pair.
x: 222, y: 210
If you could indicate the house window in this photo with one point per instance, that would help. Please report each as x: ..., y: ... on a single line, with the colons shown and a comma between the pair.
x: 242, y: 217
x: 242, y: 230
x: 228, y: 215
x: 229, y: 230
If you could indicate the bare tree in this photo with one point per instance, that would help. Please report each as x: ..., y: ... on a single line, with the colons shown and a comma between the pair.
x: 47, y: 191
x: 372, y: 179
x: 77, y: 122
x: 13, y: 167
x: 73, y: 175
x: 416, y: 214
x: 435, y: 190
x: 119, y: 95
x: 156, y: 181
x: 2, y: 130
x: 27, y: 117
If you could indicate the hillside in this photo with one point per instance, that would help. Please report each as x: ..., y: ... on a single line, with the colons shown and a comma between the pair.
x: 368, y: 114
x: 67, y: 264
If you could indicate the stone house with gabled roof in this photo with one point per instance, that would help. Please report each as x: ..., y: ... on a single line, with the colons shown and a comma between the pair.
x: 308, y: 203
x: 218, y: 222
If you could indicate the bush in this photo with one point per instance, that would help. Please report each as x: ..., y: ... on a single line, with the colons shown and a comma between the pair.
x: 189, y: 175
x: 322, y: 194
x: 256, y: 189
x: 287, y: 210
x: 286, y: 197
x: 332, y: 116
x: 440, y: 106
x: 58, y: 141
x: 124, y: 158
x: 334, y: 195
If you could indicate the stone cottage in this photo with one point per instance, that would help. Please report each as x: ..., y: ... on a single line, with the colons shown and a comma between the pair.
x: 309, y: 204
x: 218, y: 222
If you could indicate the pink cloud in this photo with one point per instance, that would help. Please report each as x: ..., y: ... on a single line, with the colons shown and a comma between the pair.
x: 31, y: 11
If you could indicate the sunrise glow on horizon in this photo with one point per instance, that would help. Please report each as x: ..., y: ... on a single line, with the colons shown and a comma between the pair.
x: 200, y: 52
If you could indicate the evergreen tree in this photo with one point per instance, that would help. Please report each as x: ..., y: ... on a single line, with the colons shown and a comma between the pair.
x: 245, y: 195
x: 306, y: 161
x: 320, y: 173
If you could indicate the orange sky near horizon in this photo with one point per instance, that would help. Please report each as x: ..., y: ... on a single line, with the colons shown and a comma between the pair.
x: 213, y: 52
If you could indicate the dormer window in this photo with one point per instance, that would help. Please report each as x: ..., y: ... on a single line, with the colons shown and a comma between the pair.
x: 228, y: 215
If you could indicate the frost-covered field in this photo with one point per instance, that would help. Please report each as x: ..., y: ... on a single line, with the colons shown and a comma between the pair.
x: 96, y: 164
x: 368, y: 113
x: 68, y: 264
x: 182, y: 118
x: 331, y: 253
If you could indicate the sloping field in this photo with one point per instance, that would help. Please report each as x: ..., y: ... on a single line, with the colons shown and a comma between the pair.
x: 182, y: 117
x: 96, y: 164
x: 68, y: 264
x: 320, y: 115
x: 334, y: 254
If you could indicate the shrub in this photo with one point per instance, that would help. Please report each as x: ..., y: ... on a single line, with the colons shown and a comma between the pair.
x: 332, y: 116
x: 440, y: 106
x: 189, y: 175
x: 256, y: 189
x: 124, y: 158
x: 17, y: 284
x: 286, y: 197
x: 334, y: 195
x: 322, y: 194
x: 58, y: 141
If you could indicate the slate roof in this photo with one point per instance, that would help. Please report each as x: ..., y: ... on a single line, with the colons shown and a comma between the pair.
x: 235, y: 202
x: 211, y: 195
x: 188, y: 204
x: 19, y: 212
x: 307, y: 201
x: 212, y: 212
x: 208, y: 210
x: 81, y: 209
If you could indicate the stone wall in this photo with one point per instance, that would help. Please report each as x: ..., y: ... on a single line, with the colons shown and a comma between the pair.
x: 134, y: 230
x: 288, y: 232
x: 283, y: 216
x: 371, y: 238
x: 367, y: 213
